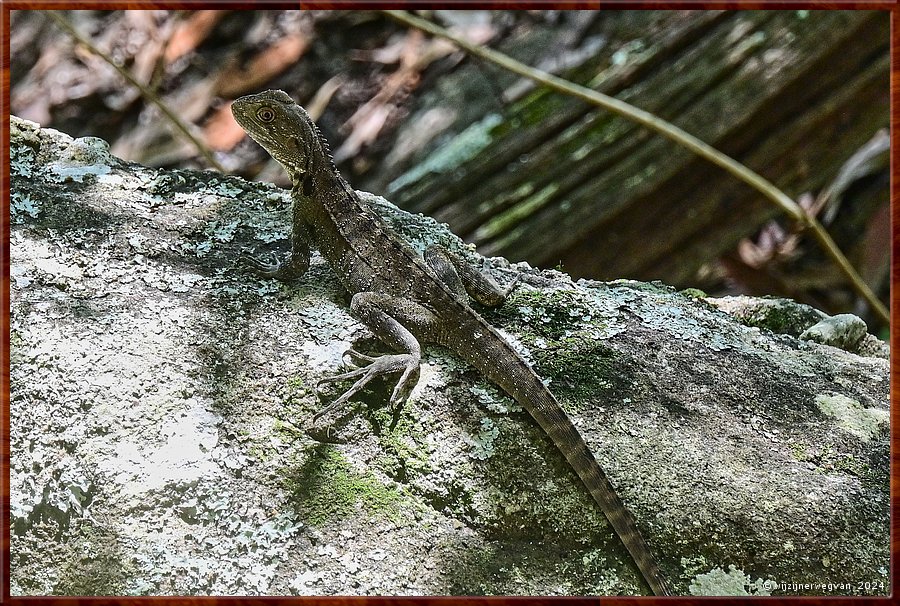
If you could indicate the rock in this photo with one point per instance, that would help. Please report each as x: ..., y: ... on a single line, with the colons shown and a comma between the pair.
x: 159, y: 393
x: 845, y: 331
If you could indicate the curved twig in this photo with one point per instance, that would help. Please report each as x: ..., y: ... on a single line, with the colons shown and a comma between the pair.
x: 672, y: 132
x: 145, y: 92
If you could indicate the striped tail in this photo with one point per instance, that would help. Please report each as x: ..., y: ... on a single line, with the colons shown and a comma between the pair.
x: 494, y: 358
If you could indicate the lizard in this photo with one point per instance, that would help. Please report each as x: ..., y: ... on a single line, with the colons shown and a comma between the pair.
x: 406, y: 299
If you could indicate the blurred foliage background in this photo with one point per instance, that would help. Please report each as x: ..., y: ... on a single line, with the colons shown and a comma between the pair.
x: 802, y: 97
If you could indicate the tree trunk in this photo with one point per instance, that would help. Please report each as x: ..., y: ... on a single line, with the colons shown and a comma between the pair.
x: 790, y: 93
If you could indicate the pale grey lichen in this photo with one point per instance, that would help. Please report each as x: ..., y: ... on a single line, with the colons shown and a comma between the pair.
x: 735, y: 582
x: 21, y: 204
x: 864, y: 423
x: 83, y: 157
x: 676, y: 322
x: 482, y: 443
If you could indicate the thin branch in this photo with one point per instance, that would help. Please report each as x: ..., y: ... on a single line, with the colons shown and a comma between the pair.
x: 145, y: 92
x: 672, y: 132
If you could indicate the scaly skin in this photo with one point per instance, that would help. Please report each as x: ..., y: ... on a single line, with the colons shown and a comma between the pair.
x: 405, y: 299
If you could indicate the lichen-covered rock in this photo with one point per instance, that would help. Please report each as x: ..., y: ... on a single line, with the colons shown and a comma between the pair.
x: 159, y: 394
x: 843, y: 330
x: 782, y: 316
x: 787, y: 317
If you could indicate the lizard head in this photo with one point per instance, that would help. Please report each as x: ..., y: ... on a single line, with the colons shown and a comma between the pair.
x: 283, y: 128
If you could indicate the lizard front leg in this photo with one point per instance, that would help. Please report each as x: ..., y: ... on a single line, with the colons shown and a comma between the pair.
x: 460, y: 277
x: 390, y: 319
x: 295, y: 263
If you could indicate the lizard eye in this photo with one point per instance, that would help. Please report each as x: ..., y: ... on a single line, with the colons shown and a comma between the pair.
x: 265, y: 114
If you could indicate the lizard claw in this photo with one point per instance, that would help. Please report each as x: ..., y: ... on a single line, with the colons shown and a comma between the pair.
x: 283, y: 269
x: 268, y: 270
x: 512, y: 285
x: 357, y: 356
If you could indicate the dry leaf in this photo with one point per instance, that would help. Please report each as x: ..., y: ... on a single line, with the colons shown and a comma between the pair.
x: 236, y: 81
x: 191, y: 32
x: 221, y: 132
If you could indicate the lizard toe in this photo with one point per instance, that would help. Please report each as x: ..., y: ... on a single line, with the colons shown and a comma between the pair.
x: 268, y: 270
x: 406, y: 382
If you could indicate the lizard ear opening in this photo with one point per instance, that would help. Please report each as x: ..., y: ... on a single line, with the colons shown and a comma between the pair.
x: 306, y: 185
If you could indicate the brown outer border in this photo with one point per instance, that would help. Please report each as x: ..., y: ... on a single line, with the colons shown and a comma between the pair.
x: 892, y: 5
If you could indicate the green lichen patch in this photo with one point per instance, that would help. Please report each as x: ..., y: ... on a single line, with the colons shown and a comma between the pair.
x: 549, y: 314
x: 298, y: 399
x: 95, y: 565
x: 404, y: 453
x: 693, y: 293
x: 326, y: 488
x: 528, y: 567
x: 533, y: 492
x: 845, y: 331
x: 864, y: 423
x: 585, y: 370
x: 482, y: 441
x: 567, y: 340
x: 827, y: 458
x: 781, y: 316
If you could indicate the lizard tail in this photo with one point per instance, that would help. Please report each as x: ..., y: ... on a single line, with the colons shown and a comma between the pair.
x: 523, y: 384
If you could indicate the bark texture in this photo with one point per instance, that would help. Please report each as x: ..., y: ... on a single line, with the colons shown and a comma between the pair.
x: 546, y: 178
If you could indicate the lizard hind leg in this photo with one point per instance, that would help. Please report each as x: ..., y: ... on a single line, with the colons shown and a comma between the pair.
x: 460, y: 277
x: 390, y: 319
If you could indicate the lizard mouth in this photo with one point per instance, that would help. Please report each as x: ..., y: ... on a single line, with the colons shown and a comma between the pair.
x: 239, y: 109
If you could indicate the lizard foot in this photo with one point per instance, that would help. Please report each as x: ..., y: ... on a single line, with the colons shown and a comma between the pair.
x: 407, y: 364
x: 282, y: 269
x: 512, y: 286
